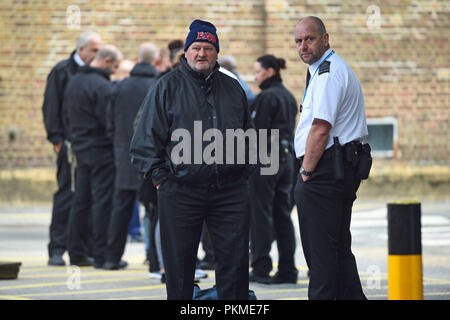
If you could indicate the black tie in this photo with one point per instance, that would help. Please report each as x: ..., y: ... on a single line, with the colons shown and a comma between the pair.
x: 308, y: 77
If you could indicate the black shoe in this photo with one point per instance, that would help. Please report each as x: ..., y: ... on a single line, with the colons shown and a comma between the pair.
x: 84, y: 262
x: 122, y: 264
x: 277, y: 278
x: 56, y: 260
x: 259, y: 278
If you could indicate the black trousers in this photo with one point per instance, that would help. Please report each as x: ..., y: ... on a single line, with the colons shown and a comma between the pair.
x: 152, y: 255
x: 182, y: 211
x: 93, y: 196
x: 123, y: 205
x: 324, y: 209
x: 207, y: 245
x: 270, y: 210
x: 62, y: 204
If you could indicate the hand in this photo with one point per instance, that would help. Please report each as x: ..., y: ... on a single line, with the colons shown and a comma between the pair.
x: 57, y: 147
x: 305, y: 177
x: 159, y: 184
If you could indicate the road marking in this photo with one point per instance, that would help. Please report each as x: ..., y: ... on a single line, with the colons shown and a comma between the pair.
x: 76, y: 292
x: 83, y: 274
x: 55, y: 284
x: 153, y: 287
x: 13, y: 298
x: 444, y: 293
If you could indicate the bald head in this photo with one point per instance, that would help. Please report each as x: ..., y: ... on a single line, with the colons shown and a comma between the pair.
x: 108, y: 58
x: 317, y: 22
x: 228, y: 62
x: 311, y: 39
x: 148, y: 53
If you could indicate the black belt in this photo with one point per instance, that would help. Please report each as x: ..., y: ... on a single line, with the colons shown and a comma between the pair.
x: 328, y: 153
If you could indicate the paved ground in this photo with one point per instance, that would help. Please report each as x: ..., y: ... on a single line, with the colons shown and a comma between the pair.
x: 24, y: 236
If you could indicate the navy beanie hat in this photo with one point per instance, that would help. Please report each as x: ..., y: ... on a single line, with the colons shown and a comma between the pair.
x: 202, y: 31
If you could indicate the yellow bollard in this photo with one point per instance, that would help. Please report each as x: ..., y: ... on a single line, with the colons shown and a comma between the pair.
x: 405, y: 251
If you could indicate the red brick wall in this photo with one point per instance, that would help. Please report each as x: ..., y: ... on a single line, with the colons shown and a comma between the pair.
x: 400, y: 55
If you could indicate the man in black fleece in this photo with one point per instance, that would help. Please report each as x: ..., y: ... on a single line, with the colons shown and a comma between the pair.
x: 128, y: 96
x: 88, y: 97
x: 87, y: 46
x: 193, y: 98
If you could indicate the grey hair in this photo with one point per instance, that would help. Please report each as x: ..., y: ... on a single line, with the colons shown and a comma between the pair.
x: 148, y: 53
x: 85, y: 37
x: 318, y: 22
x: 108, y: 50
x: 228, y: 62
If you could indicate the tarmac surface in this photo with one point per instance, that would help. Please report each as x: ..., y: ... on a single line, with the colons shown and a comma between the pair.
x: 24, y: 238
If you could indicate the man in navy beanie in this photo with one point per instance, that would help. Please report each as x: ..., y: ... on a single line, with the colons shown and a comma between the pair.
x: 196, y: 98
x: 202, y: 46
x: 202, y: 31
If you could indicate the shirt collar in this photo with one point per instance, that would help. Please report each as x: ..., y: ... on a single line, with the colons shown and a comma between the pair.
x: 313, y: 67
x: 78, y: 60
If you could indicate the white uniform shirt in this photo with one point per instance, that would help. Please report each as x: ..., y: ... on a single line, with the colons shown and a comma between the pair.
x: 336, y: 97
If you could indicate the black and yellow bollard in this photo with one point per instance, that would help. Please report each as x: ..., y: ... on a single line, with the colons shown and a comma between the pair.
x: 405, y: 251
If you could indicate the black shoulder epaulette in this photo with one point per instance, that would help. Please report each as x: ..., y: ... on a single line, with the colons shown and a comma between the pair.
x: 324, y: 67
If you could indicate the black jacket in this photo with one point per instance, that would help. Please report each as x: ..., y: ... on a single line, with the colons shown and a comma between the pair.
x: 275, y: 108
x: 177, y: 100
x: 128, y: 97
x: 52, y: 107
x: 87, y: 98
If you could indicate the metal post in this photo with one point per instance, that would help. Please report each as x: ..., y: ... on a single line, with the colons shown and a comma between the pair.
x: 405, y: 251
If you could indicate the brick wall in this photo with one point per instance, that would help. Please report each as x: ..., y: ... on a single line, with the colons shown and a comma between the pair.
x: 398, y: 49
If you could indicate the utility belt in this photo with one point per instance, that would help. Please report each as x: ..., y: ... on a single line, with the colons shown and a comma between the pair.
x: 354, y: 154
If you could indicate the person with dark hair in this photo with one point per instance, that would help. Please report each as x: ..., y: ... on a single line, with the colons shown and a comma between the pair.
x: 270, y: 195
x: 193, y: 98
x: 328, y: 143
x: 174, y: 47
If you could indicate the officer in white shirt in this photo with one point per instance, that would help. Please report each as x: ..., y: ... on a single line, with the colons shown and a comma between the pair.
x: 333, y: 106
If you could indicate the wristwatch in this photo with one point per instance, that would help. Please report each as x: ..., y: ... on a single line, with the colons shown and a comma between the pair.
x: 305, y: 173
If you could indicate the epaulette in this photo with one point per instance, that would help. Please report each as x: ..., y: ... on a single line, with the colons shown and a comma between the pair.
x: 324, y: 67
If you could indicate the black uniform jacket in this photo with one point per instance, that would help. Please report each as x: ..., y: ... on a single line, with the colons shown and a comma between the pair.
x: 275, y: 108
x: 87, y: 98
x: 128, y: 96
x: 178, y: 99
x: 52, y: 108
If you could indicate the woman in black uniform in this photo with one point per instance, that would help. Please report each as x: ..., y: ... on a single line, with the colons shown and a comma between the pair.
x: 270, y: 195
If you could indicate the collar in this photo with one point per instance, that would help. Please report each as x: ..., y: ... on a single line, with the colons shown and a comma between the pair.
x: 144, y: 70
x: 313, y: 67
x: 269, y: 82
x: 102, y: 72
x: 78, y: 60
x: 184, y: 66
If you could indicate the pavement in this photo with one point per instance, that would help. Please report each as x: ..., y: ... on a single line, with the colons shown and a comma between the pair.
x: 24, y: 238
